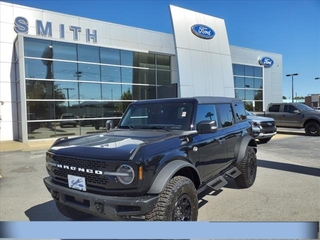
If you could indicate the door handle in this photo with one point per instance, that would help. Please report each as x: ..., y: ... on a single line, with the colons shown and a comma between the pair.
x: 221, y: 140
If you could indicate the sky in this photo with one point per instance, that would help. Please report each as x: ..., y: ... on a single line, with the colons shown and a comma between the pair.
x: 287, y: 27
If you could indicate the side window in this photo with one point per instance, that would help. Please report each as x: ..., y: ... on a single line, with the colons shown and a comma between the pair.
x: 274, y: 108
x: 206, y: 112
x: 226, y: 114
x: 289, y: 108
x: 240, y: 111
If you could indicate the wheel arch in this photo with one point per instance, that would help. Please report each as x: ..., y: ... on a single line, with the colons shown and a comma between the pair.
x: 311, y: 120
x: 172, y: 169
x: 246, y: 141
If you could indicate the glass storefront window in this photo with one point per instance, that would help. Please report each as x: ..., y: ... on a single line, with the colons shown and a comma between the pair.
x: 126, y: 58
x: 258, y: 83
x: 62, y: 105
x: 257, y: 71
x: 35, y: 47
x: 110, y: 56
x: 64, y: 51
x: 64, y: 70
x: 91, y: 91
x: 146, y: 60
x: 88, y: 72
x: 163, y: 62
x: 127, y: 75
x: 238, y: 82
x: 238, y: 69
x: 163, y: 77
x: 88, y: 54
x: 110, y: 74
x: 111, y: 91
x: 37, y: 89
x: 144, y: 76
x: 248, y: 70
x: 35, y: 69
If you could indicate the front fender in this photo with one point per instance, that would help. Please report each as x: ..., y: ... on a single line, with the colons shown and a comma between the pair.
x: 167, y: 173
x: 246, y: 141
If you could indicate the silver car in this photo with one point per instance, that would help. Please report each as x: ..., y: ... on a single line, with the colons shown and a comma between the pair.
x: 263, y: 127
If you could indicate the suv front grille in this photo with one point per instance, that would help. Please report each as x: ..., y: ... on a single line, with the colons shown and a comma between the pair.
x: 91, y: 178
x: 267, y: 124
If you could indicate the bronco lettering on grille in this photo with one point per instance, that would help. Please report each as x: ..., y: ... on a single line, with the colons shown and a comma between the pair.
x: 85, y: 170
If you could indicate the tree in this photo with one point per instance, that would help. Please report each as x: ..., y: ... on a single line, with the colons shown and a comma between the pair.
x: 284, y: 97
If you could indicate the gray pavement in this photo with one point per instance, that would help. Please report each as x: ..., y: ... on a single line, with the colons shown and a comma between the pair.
x: 287, y: 187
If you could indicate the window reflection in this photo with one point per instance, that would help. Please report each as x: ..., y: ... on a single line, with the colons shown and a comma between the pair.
x: 111, y: 91
x: 110, y: 74
x: 90, y: 91
x: 64, y: 70
x: 34, y: 47
x: 88, y: 72
x: 88, y: 54
x: 71, y: 106
x: 127, y: 75
x: 110, y: 56
x: 64, y: 51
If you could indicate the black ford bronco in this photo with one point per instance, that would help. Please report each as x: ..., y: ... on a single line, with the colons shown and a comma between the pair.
x: 163, y: 153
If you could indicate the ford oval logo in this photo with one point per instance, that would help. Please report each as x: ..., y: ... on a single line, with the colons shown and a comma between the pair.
x: 266, y: 62
x: 202, y: 31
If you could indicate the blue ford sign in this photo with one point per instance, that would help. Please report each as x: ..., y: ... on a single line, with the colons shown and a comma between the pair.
x: 202, y: 31
x: 266, y: 61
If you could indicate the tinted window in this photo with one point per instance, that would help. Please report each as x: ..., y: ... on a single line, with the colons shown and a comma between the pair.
x: 206, y: 112
x: 226, y: 114
x: 274, y: 108
x: 240, y: 111
x: 289, y: 108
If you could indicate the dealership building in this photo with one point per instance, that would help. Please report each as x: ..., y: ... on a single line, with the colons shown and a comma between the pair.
x: 64, y: 75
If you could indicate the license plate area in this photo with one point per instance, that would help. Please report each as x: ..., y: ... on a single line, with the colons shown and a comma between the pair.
x: 77, y: 182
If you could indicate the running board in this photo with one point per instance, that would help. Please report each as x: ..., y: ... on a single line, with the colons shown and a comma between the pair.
x: 233, y: 172
x: 219, y: 182
x: 215, y: 184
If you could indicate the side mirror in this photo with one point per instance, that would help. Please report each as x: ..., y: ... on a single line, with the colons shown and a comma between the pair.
x: 109, y: 124
x: 296, y: 111
x: 207, y: 126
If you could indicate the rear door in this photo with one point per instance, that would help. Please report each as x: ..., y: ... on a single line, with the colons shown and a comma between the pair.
x: 275, y: 113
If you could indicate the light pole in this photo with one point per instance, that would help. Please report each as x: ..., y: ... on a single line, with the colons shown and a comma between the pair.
x: 68, y: 94
x: 291, y: 75
x: 318, y: 78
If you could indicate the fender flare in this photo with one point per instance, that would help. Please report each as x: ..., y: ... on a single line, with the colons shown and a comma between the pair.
x: 243, y: 147
x: 167, y: 173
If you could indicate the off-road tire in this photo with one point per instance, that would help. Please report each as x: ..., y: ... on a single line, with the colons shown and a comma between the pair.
x: 264, y: 140
x: 248, y: 169
x: 71, y: 213
x: 312, y: 129
x: 179, y: 192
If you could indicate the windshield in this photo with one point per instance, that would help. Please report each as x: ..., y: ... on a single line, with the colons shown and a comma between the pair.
x: 249, y: 113
x: 304, y: 107
x: 169, y: 116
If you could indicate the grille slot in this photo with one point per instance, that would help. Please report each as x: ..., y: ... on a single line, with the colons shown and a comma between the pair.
x: 267, y: 124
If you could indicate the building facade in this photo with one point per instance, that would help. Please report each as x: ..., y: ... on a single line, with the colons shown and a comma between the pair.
x: 64, y: 75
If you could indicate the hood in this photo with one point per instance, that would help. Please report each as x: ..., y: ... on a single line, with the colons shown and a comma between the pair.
x: 260, y: 119
x: 116, y: 144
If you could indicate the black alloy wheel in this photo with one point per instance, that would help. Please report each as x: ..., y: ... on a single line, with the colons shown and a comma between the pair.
x: 182, y: 209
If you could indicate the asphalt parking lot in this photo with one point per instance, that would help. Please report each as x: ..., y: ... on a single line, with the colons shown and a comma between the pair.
x: 287, y: 187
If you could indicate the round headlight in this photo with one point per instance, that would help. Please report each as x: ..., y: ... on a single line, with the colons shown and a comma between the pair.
x: 126, y: 175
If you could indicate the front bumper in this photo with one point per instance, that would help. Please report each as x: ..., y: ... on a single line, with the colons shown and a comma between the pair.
x: 99, y: 205
x: 265, y: 135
